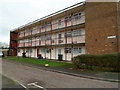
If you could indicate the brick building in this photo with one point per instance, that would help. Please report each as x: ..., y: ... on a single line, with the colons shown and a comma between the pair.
x: 84, y: 28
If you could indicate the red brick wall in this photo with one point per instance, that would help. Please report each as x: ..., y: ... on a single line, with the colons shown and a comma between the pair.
x: 101, y: 22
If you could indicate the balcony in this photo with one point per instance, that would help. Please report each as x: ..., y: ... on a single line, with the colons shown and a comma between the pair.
x: 13, y: 45
x: 55, y: 25
x: 55, y: 41
x: 14, y: 36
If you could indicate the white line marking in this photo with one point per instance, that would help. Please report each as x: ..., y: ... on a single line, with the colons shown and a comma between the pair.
x: 23, y: 86
x: 35, y: 84
x: 20, y: 84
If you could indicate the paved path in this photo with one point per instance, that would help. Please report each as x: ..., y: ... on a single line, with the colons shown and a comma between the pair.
x: 47, y: 79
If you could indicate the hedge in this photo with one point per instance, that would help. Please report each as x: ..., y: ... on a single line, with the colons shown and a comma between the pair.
x: 101, y: 61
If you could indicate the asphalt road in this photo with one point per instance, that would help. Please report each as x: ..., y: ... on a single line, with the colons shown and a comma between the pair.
x: 32, y: 77
x: 8, y: 83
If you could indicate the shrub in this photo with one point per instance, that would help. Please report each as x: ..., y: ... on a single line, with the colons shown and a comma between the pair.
x: 101, y: 61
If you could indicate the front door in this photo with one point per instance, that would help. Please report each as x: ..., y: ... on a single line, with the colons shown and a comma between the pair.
x: 37, y: 52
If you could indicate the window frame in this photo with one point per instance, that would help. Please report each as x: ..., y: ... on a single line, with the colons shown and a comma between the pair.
x: 77, y: 50
x: 68, y: 50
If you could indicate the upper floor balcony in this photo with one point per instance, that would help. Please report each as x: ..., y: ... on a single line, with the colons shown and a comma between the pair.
x: 54, y: 41
x: 76, y: 19
x: 13, y: 45
x: 14, y: 36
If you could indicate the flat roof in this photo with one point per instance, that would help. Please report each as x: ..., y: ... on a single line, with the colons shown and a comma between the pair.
x: 48, y: 16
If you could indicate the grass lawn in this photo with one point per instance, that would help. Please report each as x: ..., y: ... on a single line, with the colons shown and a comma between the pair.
x: 41, y: 62
x: 59, y: 64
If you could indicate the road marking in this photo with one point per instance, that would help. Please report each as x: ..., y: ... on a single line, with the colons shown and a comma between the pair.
x: 17, y: 82
x: 21, y: 84
x: 35, y: 84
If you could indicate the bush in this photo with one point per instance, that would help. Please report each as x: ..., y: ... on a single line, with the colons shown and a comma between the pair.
x: 101, y: 61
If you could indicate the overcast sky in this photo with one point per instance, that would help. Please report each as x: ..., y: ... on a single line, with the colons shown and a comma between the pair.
x: 14, y: 13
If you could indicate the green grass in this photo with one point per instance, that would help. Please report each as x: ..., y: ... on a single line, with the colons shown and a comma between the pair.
x: 40, y: 62
x: 60, y: 64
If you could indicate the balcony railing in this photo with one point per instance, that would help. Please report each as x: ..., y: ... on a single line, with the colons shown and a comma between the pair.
x: 55, y: 41
x: 13, y: 45
x: 55, y: 25
x: 14, y: 36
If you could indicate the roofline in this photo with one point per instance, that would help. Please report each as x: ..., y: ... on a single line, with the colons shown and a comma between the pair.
x: 50, y: 15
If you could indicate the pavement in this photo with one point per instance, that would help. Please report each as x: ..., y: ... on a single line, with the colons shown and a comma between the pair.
x: 104, y: 76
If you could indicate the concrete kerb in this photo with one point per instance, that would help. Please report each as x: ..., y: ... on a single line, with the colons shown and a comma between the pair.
x: 83, y: 76
x: 73, y: 74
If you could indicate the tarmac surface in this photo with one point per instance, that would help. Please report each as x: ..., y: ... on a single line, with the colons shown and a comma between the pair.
x: 8, y: 83
x: 105, y: 76
x: 32, y: 77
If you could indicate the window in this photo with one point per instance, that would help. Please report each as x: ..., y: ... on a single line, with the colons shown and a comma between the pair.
x: 43, y: 50
x: 48, y: 50
x: 76, y: 16
x: 18, y: 33
x: 69, y: 18
x: 26, y: 40
x: 29, y: 40
x: 68, y: 34
x: 43, y: 38
x: 34, y: 28
x: 18, y: 42
x: 77, y: 50
x: 48, y: 37
x: 27, y: 50
x: 33, y: 39
x: 59, y: 36
x: 76, y: 32
x: 18, y: 50
x: 31, y: 50
x: 60, y: 41
x: 66, y: 19
x: 59, y: 22
x: 67, y: 50
x: 48, y: 24
x: 80, y: 14
x: 37, y: 39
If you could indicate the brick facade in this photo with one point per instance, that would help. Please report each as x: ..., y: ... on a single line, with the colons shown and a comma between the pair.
x: 101, y: 22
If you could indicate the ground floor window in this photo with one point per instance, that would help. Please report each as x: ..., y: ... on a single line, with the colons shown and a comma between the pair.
x: 67, y: 50
x: 18, y: 50
x: 43, y: 50
x: 48, y: 50
x: 28, y: 50
x: 31, y: 50
x: 77, y: 50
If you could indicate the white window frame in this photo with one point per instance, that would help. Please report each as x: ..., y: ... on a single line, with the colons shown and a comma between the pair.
x: 77, y: 32
x: 68, y: 50
x: 77, y: 50
x: 43, y: 50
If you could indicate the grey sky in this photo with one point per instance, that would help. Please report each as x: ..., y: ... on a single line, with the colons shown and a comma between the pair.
x: 14, y: 13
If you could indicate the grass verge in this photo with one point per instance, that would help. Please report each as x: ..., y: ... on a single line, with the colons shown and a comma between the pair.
x: 40, y: 62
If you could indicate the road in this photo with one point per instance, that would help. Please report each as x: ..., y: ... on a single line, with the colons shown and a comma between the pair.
x: 25, y: 75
